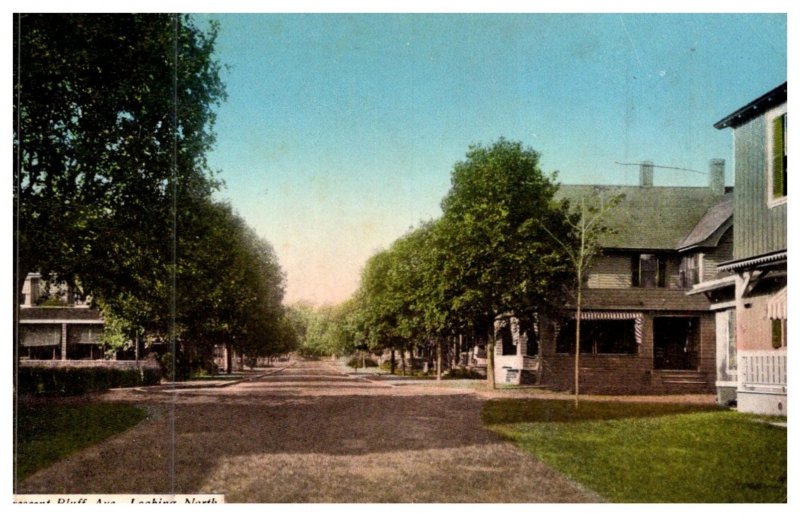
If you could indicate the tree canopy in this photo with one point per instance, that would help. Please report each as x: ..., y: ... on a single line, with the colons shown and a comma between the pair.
x: 114, y: 118
x: 490, y: 253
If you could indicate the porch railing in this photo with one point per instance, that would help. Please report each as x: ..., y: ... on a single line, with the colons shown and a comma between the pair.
x: 763, y: 371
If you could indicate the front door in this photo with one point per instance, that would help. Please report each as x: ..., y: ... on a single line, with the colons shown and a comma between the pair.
x: 675, y: 343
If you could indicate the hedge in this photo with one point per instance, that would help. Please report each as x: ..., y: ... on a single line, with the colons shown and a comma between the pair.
x: 71, y: 380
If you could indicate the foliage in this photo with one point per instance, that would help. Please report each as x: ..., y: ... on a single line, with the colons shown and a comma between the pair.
x: 634, y: 452
x: 463, y: 373
x: 324, y: 330
x: 114, y: 117
x: 113, y: 191
x: 358, y: 362
x: 499, y: 258
x: 488, y: 254
x: 74, y: 380
x: 45, y: 434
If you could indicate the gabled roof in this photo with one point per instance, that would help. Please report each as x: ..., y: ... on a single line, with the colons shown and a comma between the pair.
x: 709, y: 230
x: 648, y: 218
x: 755, y: 108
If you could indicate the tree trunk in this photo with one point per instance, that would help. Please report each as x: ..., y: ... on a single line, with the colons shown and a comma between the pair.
x: 228, y: 358
x: 578, y: 337
x: 439, y: 359
x: 391, y: 362
x: 490, y: 358
x: 403, y: 359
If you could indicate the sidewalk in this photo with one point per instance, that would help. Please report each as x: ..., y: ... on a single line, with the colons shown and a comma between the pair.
x: 221, y: 381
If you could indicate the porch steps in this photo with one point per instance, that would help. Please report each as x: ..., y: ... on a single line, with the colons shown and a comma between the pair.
x: 686, y: 378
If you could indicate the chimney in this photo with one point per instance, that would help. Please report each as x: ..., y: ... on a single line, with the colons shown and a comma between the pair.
x: 646, y: 173
x: 716, y: 176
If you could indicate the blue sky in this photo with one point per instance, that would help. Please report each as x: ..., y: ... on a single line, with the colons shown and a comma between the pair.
x: 340, y: 131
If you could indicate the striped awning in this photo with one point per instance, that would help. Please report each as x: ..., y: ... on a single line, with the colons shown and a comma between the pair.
x: 776, y: 307
x: 40, y: 335
x: 637, y: 317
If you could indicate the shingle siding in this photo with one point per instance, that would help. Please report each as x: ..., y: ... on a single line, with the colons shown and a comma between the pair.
x: 722, y: 253
x: 610, y: 272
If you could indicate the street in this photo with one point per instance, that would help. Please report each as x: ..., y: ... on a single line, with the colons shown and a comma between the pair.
x: 310, y: 432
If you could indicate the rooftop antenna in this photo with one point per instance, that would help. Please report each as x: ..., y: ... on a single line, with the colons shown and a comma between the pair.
x: 661, y: 166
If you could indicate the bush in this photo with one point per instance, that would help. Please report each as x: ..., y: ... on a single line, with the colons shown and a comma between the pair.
x: 72, y: 380
x: 464, y: 373
x: 356, y: 362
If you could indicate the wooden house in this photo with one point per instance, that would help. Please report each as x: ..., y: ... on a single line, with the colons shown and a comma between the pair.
x: 758, y: 268
x: 54, y: 325
x: 641, y: 332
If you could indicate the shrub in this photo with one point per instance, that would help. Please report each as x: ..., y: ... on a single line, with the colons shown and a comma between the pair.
x: 356, y: 362
x: 72, y: 380
x: 464, y: 373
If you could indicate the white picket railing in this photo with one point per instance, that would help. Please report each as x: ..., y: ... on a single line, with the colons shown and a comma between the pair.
x: 762, y: 370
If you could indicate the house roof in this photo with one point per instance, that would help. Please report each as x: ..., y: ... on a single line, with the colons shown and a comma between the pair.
x: 642, y: 299
x: 707, y: 231
x: 754, y: 108
x: 59, y: 314
x: 648, y: 218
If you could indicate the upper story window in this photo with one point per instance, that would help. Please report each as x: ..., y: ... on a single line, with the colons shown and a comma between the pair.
x: 691, y: 270
x: 648, y: 270
x: 776, y: 150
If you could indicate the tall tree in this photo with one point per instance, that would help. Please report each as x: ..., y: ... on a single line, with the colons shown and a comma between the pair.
x: 113, y: 118
x: 498, y: 257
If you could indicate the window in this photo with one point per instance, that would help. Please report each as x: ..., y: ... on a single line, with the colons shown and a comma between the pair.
x: 732, y: 339
x: 599, y: 337
x: 689, y: 270
x: 778, y: 333
x: 648, y: 270
x: 776, y: 146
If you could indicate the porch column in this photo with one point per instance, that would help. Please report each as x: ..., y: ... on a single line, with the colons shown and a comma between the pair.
x: 742, y: 281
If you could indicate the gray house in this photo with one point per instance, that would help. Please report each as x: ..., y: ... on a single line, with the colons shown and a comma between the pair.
x: 758, y: 269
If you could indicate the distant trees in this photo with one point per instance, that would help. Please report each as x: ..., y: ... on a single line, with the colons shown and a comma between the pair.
x: 487, y: 255
x: 112, y: 192
x: 323, y: 331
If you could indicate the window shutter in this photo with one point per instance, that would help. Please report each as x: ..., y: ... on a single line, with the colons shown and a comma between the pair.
x: 777, y: 334
x: 778, y: 151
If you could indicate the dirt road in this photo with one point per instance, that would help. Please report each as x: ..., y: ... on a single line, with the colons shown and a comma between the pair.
x: 310, y: 433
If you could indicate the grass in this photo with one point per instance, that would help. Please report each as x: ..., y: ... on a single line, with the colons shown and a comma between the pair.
x: 644, y: 452
x: 47, y: 433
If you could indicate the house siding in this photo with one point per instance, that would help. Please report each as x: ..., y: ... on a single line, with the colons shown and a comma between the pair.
x: 722, y: 253
x: 759, y: 229
x: 610, y: 272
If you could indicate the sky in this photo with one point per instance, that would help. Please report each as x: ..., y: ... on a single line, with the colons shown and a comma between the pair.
x: 340, y: 130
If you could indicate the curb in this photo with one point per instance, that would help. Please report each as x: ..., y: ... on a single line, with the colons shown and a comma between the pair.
x: 168, y: 387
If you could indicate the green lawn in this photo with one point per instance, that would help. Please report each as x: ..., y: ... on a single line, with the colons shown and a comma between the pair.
x: 46, y: 433
x: 634, y: 452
